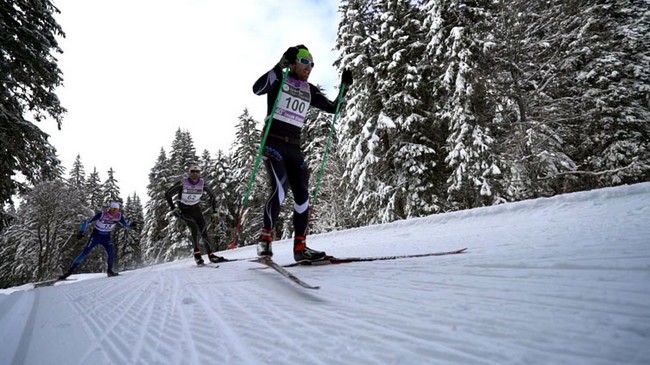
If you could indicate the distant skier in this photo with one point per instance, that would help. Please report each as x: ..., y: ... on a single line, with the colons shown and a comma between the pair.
x: 189, y: 192
x: 104, y: 223
x: 282, y: 155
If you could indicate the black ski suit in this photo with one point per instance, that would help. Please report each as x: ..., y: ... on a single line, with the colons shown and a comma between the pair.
x: 192, y: 214
x: 283, y: 158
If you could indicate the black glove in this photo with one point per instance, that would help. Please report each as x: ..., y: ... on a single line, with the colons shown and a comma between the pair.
x: 289, y: 57
x: 80, y: 235
x: 346, y: 77
x: 133, y: 225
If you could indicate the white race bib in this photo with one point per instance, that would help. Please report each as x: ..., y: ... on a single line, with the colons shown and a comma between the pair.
x: 293, y: 102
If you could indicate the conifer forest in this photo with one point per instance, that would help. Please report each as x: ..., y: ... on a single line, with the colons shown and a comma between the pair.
x: 455, y: 105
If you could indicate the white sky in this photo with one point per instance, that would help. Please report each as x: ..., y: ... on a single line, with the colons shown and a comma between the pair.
x: 563, y: 280
x: 136, y: 71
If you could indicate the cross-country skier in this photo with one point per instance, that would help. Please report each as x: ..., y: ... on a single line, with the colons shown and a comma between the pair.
x: 282, y: 155
x: 188, y: 208
x: 103, y: 224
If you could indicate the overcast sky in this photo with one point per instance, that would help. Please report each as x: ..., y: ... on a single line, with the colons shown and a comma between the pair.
x: 136, y: 70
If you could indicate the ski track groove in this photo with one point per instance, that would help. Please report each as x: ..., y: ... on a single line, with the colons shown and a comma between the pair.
x: 107, y: 312
x: 157, y: 327
x: 230, y: 347
x: 423, y: 345
x: 370, y: 323
x: 545, y: 303
x: 270, y: 291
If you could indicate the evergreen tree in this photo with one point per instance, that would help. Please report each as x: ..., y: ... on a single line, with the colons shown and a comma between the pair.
x: 183, y: 153
x: 243, y: 154
x: 358, y: 43
x: 608, y: 69
x: 39, y: 244
x: 466, y: 110
x: 388, y: 134
x: 129, y: 253
x: 110, y: 190
x: 77, y: 177
x: 29, y: 75
x: 223, y: 186
x: 94, y: 190
x: 157, y: 217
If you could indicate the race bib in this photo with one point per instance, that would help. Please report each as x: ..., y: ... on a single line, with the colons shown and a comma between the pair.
x: 192, y: 193
x: 293, y: 103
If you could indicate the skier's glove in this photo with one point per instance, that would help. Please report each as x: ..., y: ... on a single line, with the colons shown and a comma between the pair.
x: 133, y: 225
x: 80, y: 235
x: 288, y: 58
x: 346, y: 77
x: 177, y: 212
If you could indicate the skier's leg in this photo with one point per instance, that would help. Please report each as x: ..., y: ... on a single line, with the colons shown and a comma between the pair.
x: 298, y: 175
x: 92, y: 242
x: 277, y: 173
x: 299, y: 180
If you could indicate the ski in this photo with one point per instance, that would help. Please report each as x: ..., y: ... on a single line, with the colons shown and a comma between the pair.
x: 270, y: 263
x: 50, y: 282
x: 212, y: 265
x: 331, y: 260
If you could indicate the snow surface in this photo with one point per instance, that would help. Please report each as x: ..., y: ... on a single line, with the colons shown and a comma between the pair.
x: 562, y: 280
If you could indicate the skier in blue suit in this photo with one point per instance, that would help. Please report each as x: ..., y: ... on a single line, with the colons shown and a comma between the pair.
x: 103, y: 224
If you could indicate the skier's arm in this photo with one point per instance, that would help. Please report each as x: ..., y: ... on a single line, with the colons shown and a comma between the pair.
x: 265, y: 83
x: 126, y: 224
x: 213, y: 201
x: 169, y: 194
x: 86, y: 223
x: 320, y: 101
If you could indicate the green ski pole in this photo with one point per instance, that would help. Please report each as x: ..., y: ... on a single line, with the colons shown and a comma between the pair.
x: 329, y: 140
x: 251, y: 181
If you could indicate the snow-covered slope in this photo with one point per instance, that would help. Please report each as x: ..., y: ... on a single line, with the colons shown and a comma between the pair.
x: 564, y: 280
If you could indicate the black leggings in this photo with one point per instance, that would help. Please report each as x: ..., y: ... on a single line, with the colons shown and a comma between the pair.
x: 287, y: 168
x: 193, y: 217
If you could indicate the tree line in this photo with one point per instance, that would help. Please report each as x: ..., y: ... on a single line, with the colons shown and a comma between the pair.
x: 455, y: 105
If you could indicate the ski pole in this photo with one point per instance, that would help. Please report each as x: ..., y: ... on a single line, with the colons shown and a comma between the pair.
x: 257, y: 161
x: 329, y: 140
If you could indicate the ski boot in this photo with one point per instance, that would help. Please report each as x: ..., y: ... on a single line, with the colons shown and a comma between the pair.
x: 303, y: 253
x: 111, y: 273
x: 198, y: 258
x: 214, y: 258
x: 264, y: 244
x: 66, y: 274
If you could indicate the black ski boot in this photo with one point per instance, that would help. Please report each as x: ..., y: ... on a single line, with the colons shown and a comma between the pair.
x: 198, y: 258
x: 214, y: 258
x: 111, y: 273
x: 303, y: 253
x: 67, y: 273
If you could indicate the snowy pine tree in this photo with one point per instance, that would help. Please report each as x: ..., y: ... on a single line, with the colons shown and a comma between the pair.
x: 95, y: 191
x: 155, y: 243
x: 222, y: 185
x: 243, y: 154
x: 41, y: 241
x: 128, y: 254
